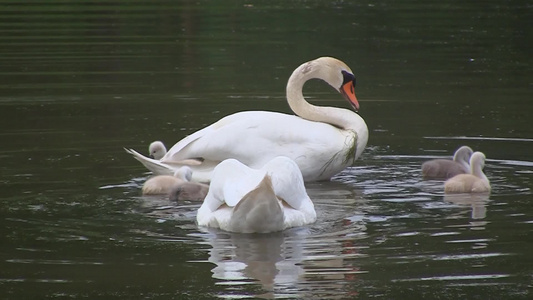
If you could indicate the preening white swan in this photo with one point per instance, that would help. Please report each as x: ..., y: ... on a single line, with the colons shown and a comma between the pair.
x: 445, y: 168
x: 475, y: 182
x: 163, y: 184
x: 246, y: 200
x: 321, y: 140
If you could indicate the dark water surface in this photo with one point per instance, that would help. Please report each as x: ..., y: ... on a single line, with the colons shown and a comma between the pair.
x: 79, y: 80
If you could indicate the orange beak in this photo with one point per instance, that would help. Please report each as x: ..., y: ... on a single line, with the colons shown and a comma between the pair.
x: 347, y: 90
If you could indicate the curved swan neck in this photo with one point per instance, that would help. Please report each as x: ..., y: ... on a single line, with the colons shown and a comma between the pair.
x: 462, y: 156
x: 339, y: 117
x: 478, y: 172
x: 295, y: 96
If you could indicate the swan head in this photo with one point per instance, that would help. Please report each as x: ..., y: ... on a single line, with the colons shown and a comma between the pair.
x: 336, y: 73
x: 184, y: 173
x: 157, y: 150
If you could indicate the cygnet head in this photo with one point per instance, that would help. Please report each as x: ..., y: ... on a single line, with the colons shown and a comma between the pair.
x: 463, y: 154
x: 477, y: 162
x: 157, y: 150
x: 184, y: 173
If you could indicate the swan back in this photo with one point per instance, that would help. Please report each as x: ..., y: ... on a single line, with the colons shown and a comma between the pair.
x: 287, y: 180
x: 288, y: 185
x: 242, y: 199
x: 157, y: 150
x: 230, y: 181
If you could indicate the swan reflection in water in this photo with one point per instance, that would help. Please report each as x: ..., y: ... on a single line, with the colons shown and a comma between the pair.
x: 293, y: 262
x: 268, y: 258
x: 299, y: 261
x: 319, y: 259
x: 477, y: 203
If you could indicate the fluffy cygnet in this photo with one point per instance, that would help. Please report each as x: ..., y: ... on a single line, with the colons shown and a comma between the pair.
x: 445, y: 168
x: 475, y: 182
x: 157, y: 150
x: 192, y: 191
x: 163, y: 184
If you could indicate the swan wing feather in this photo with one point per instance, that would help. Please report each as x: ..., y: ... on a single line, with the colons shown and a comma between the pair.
x: 151, y: 164
x: 231, y: 181
x: 243, y: 136
x: 287, y: 181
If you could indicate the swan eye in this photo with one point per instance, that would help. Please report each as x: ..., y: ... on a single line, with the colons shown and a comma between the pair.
x: 347, y: 77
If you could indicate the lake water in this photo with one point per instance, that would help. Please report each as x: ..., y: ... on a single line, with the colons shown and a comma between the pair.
x: 81, y: 80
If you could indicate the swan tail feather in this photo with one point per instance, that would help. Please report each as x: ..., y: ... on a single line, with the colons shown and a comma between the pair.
x: 259, y: 211
x: 153, y: 165
x: 179, y: 150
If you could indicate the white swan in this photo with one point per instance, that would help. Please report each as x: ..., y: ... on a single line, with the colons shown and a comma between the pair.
x: 475, y: 182
x: 445, y: 168
x: 246, y: 200
x: 163, y: 184
x: 321, y: 140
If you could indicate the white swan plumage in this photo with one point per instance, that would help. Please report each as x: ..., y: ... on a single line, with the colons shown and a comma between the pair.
x: 321, y: 140
x: 474, y: 182
x: 247, y: 200
x: 445, y: 168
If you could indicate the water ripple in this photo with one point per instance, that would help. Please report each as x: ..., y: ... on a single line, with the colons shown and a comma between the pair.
x: 459, y: 277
